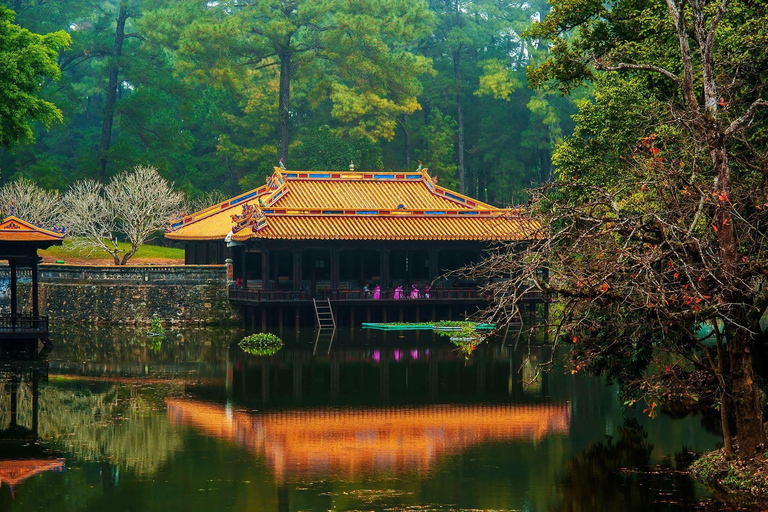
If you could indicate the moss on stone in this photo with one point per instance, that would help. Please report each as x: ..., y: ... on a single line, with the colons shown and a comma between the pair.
x: 734, y: 480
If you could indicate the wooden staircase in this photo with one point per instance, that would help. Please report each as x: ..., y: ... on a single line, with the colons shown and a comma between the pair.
x: 324, y: 313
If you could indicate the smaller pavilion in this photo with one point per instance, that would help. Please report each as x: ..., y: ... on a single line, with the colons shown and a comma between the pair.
x: 19, y: 243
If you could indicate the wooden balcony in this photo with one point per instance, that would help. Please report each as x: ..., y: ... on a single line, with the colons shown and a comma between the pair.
x: 23, y: 327
x: 345, y: 296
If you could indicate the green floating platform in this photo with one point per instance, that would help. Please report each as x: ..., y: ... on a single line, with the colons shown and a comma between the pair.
x: 422, y: 327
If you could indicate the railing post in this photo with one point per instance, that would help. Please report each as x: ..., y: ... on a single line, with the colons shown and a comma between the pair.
x: 14, y: 309
x: 35, y: 302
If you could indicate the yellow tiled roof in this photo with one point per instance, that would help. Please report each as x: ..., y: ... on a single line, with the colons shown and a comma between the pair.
x: 354, y: 206
x: 13, y: 229
x: 448, y: 226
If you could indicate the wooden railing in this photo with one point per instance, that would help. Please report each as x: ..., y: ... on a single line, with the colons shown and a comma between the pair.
x: 437, y: 293
x: 457, y: 294
x: 21, y: 323
x: 256, y: 295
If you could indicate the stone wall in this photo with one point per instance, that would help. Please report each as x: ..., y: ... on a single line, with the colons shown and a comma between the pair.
x: 127, y: 295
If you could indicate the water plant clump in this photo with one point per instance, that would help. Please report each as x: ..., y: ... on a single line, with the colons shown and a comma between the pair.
x: 261, y: 344
x: 455, y: 329
x: 466, y: 339
x: 156, y: 333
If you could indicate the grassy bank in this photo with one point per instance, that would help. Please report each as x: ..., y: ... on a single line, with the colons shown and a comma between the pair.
x: 738, y: 481
x: 145, y: 255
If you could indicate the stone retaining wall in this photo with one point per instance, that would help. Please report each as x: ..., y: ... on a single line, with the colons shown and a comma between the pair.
x: 127, y: 295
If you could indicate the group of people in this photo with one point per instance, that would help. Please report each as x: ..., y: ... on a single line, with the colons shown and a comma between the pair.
x: 398, y: 292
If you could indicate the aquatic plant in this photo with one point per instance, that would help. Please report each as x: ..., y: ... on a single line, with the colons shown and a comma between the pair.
x: 261, y: 344
x: 156, y: 327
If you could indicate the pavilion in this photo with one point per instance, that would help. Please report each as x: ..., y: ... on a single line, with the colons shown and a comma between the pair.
x: 326, y: 235
x: 19, y: 243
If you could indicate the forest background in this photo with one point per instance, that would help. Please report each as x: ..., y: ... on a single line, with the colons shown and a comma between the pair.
x: 213, y: 93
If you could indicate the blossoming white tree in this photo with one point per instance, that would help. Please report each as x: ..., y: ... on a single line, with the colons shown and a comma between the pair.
x: 30, y: 202
x: 134, y: 204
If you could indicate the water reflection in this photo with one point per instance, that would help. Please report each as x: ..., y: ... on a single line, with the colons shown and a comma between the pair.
x: 20, y: 456
x: 613, y: 475
x: 357, y: 443
x: 375, y: 423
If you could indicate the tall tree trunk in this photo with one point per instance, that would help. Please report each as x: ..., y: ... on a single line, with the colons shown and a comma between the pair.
x: 750, y: 432
x: 109, y: 105
x: 459, y: 115
x: 745, y: 394
x: 406, y: 140
x: 284, y: 107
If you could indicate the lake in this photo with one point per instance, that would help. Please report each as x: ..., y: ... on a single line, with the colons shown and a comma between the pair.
x: 366, y: 421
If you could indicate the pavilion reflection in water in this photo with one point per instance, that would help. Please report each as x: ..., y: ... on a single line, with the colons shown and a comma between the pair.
x: 21, y: 457
x: 353, y: 442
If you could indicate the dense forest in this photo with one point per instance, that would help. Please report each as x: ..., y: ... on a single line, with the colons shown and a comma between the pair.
x: 215, y: 93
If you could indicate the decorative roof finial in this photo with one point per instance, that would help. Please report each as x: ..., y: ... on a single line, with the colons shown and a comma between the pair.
x: 351, y: 166
x: 420, y: 167
x: 12, y: 209
x: 282, y: 165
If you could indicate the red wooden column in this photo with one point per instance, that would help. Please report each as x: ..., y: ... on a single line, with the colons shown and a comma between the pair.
x: 35, y: 301
x: 264, y: 268
x: 334, y: 269
x: 384, y: 262
x: 433, y: 269
x: 297, y: 269
x: 14, y: 308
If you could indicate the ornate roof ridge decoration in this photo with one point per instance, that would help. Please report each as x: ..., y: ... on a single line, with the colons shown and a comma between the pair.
x: 13, y: 227
x: 397, y: 212
x: 252, y: 216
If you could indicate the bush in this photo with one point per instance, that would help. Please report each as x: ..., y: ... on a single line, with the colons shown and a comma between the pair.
x: 261, y: 344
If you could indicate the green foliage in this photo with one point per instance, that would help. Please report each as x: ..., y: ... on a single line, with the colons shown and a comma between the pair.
x: 26, y: 61
x: 198, y: 92
x: 324, y: 150
x: 439, y: 150
x: 156, y: 327
x: 261, y: 344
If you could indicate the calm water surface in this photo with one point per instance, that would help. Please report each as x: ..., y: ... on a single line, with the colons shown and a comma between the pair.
x: 370, y: 422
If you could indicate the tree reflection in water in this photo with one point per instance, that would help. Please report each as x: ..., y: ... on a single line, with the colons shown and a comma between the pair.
x: 616, y: 474
x: 119, y: 424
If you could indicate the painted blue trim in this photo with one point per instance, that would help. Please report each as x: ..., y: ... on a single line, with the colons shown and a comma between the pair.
x: 333, y: 212
x: 174, y: 226
x: 383, y: 176
x: 470, y: 212
x: 455, y: 198
x: 366, y: 212
x: 267, y: 211
x: 320, y: 176
x: 242, y: 198
x: 291, y: 175
x: 434, y: 213
x: 413, y: 176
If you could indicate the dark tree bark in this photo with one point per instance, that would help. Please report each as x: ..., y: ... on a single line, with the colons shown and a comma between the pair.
x: 750, y: 432
x: 284, y: 106
x: 109, y: 105
x: 459, y: 115
x: 406, y: 140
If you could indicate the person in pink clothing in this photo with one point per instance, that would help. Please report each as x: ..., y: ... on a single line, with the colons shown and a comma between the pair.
x: 426, y: 292
x: 399, y: 292
x: 414, y: 292
x: 377, y: 292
